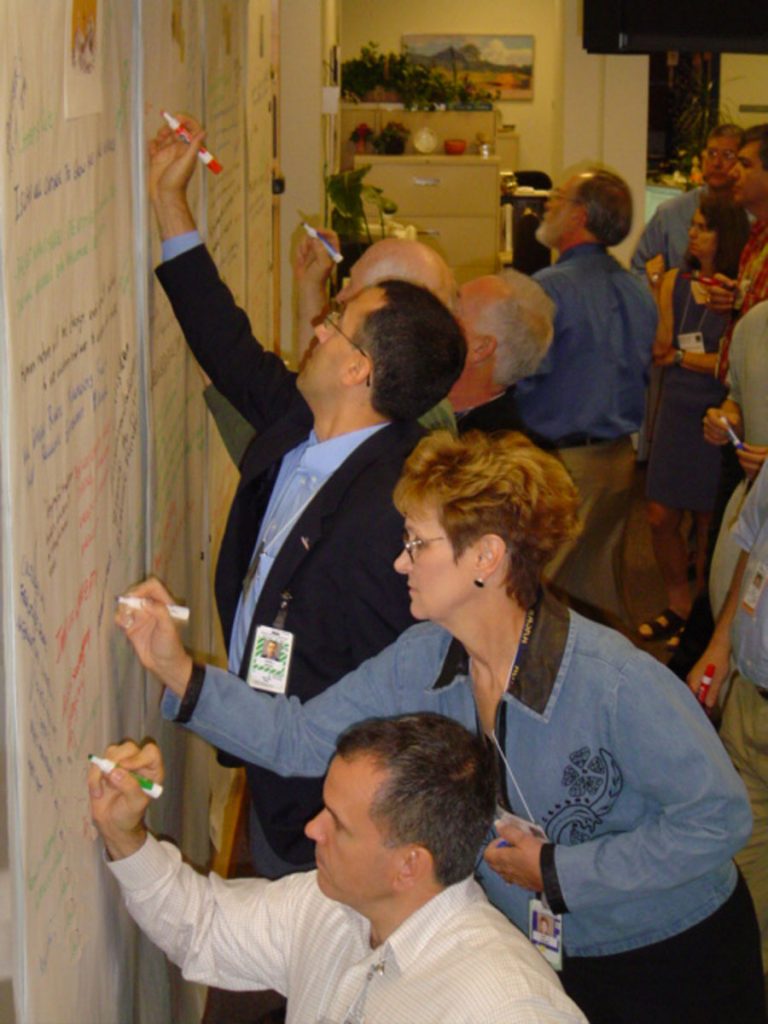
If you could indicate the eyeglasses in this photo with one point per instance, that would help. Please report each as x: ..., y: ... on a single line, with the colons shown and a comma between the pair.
x: 726, y: 155
x: 414, y: 544
x: 332, y: 321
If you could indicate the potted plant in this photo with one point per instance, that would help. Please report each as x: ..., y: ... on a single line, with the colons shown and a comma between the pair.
x: 372, y: 76
x: 347, y: 196
x: 359, y: 135
x: 391, y: 138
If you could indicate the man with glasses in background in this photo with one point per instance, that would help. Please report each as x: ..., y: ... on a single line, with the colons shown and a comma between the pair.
x: 306, y: 559
x: 665, y: 238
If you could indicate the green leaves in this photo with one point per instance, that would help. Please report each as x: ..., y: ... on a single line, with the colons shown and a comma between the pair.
x: 348, y: 196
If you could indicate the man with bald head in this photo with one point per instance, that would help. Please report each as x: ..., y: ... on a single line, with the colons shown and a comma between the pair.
x: 507, y: 322
x: 588, y: 395
x: 397, y: 258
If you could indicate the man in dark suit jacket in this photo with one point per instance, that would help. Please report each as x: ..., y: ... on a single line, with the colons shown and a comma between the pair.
x: 312, y: 532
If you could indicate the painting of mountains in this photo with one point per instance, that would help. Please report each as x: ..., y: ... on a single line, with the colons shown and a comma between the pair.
x: 496, y: 63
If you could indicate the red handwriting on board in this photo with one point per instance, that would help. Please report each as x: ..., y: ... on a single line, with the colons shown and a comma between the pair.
x: 62, y: 633
x: 73, y: 691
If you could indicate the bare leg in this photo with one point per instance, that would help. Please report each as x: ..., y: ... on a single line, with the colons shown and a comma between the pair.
x: 671, y: 555
x: 703, y: 519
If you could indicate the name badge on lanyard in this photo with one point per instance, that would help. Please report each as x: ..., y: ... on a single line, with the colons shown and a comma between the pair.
x: 270, y: 659
x: 691, y: 341
x: 545, y: 930
x: 754, y: 591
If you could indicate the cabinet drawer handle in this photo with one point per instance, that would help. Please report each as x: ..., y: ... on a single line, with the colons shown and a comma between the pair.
x: 429, y: 232
x: 429, y: 182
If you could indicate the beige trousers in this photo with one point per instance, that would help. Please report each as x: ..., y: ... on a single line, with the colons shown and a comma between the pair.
x: 744, y: 732
x: 590, y: 568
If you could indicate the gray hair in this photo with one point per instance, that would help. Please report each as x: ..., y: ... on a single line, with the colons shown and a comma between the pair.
x: 521, y: 322
x: 608, y: 202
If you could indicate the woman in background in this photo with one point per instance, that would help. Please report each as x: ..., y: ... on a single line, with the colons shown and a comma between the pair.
x: 683, y: 469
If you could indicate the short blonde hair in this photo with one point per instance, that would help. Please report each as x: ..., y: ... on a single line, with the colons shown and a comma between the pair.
x: 494, y: 483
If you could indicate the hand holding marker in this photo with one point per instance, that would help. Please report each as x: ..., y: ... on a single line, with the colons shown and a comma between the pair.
x: 704, y: 685
x: 314, y: 233
x: 152, y: 789
x: 207, y: 158
x: 177, y: 612
x: 733, y: 437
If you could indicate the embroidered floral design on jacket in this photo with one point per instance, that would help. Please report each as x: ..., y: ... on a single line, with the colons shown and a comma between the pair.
x: 593, y: 783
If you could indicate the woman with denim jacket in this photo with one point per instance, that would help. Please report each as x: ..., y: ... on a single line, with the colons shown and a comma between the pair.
x: 637, y: 808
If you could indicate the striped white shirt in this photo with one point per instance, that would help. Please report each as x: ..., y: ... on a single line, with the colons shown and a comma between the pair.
x: 457, y: 960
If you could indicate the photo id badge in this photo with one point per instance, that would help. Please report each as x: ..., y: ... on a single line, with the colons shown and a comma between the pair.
x: 755, y: 588
x: 545, y: 930
x: 270, y: 659
x: 693, y: 341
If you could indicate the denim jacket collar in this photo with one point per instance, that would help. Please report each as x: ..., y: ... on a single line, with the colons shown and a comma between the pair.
x: 542, y: 656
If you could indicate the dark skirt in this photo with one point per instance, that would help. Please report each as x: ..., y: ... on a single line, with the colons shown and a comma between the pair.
x: 711, y: 973
x: 683, y: 468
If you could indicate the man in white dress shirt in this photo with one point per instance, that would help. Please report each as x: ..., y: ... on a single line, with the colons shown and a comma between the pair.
x: 391, y: 927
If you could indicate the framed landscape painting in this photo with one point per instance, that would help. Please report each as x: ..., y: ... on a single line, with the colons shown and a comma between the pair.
x: 502, y: 64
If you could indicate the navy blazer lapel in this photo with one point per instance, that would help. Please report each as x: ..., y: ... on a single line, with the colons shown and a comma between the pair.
x: 395, y: 440
x: 270, y: 446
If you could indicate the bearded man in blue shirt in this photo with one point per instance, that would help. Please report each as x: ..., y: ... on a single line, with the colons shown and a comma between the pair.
x: 588, y: 395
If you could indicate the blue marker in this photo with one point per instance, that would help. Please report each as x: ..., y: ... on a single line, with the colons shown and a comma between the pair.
x: 314, y: 233
x: 734, y: 438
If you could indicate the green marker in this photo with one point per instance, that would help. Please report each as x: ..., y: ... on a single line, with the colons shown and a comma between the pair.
x: 153, y: 789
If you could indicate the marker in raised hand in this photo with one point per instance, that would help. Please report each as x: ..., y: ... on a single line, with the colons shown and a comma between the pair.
x: 176, y: 611
x: 153, y: 789
x: 205, y: 155
x: 314, y: 233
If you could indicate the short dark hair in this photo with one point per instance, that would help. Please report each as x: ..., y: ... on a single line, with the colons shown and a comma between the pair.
x: 732, y: 226
x: 440, y: 790
x: 417, y: 349
x: 608, y: 202
x: 758, y: 133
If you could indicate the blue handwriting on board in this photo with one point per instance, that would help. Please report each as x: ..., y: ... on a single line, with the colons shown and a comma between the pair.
x: 16, y: 101
x: 26, y: 194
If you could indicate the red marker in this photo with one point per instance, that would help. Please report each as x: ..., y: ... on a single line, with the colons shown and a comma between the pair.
x: 208, y: 158
x: 704, y: 685
x: 708, y: 282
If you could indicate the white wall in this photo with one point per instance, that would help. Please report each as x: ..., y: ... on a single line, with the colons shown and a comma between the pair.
x: 385, y: 23
x: 602, y: 115
x: 303, y: 25
x: 744, y: 82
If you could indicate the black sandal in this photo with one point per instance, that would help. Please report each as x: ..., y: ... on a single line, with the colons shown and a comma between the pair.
x: 666, y: 624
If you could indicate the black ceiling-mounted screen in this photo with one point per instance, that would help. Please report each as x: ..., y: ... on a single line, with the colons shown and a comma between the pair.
x: 650, y: 26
